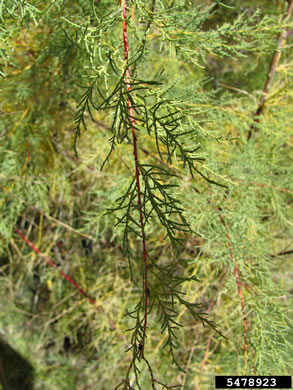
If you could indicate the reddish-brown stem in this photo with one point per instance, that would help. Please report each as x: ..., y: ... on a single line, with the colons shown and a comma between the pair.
x: 275, y: 60
x: 238, y: 286
x: 68, y: 278
x: 137, y: 173
x: 53, y: 265
x: 283, y: 253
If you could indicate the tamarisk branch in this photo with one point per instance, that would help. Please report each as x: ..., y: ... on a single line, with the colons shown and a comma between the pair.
x: 137, y: 173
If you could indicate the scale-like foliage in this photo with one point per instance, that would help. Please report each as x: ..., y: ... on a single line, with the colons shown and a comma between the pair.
x: 156, y: 99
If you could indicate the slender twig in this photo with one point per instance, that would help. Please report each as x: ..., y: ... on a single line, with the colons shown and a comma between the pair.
x: 53, y: 265
x: 137, y: 173
x: 272, y: 70
x: 70, y: 280
x: 236, y: 273
x: 283, y: 253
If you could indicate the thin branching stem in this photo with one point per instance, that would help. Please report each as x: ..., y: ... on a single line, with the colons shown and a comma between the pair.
x: 69, y: 279
x: 238, y: 282
x: 273, y: 67
x: 137, y: 172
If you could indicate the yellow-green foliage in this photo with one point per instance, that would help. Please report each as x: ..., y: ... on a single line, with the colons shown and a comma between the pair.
x: 201, y: 66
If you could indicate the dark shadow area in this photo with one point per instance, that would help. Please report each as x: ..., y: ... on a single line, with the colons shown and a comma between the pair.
x: 16, y: 373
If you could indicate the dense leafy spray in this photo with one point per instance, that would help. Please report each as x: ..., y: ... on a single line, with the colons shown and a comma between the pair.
x: 144, y: 145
